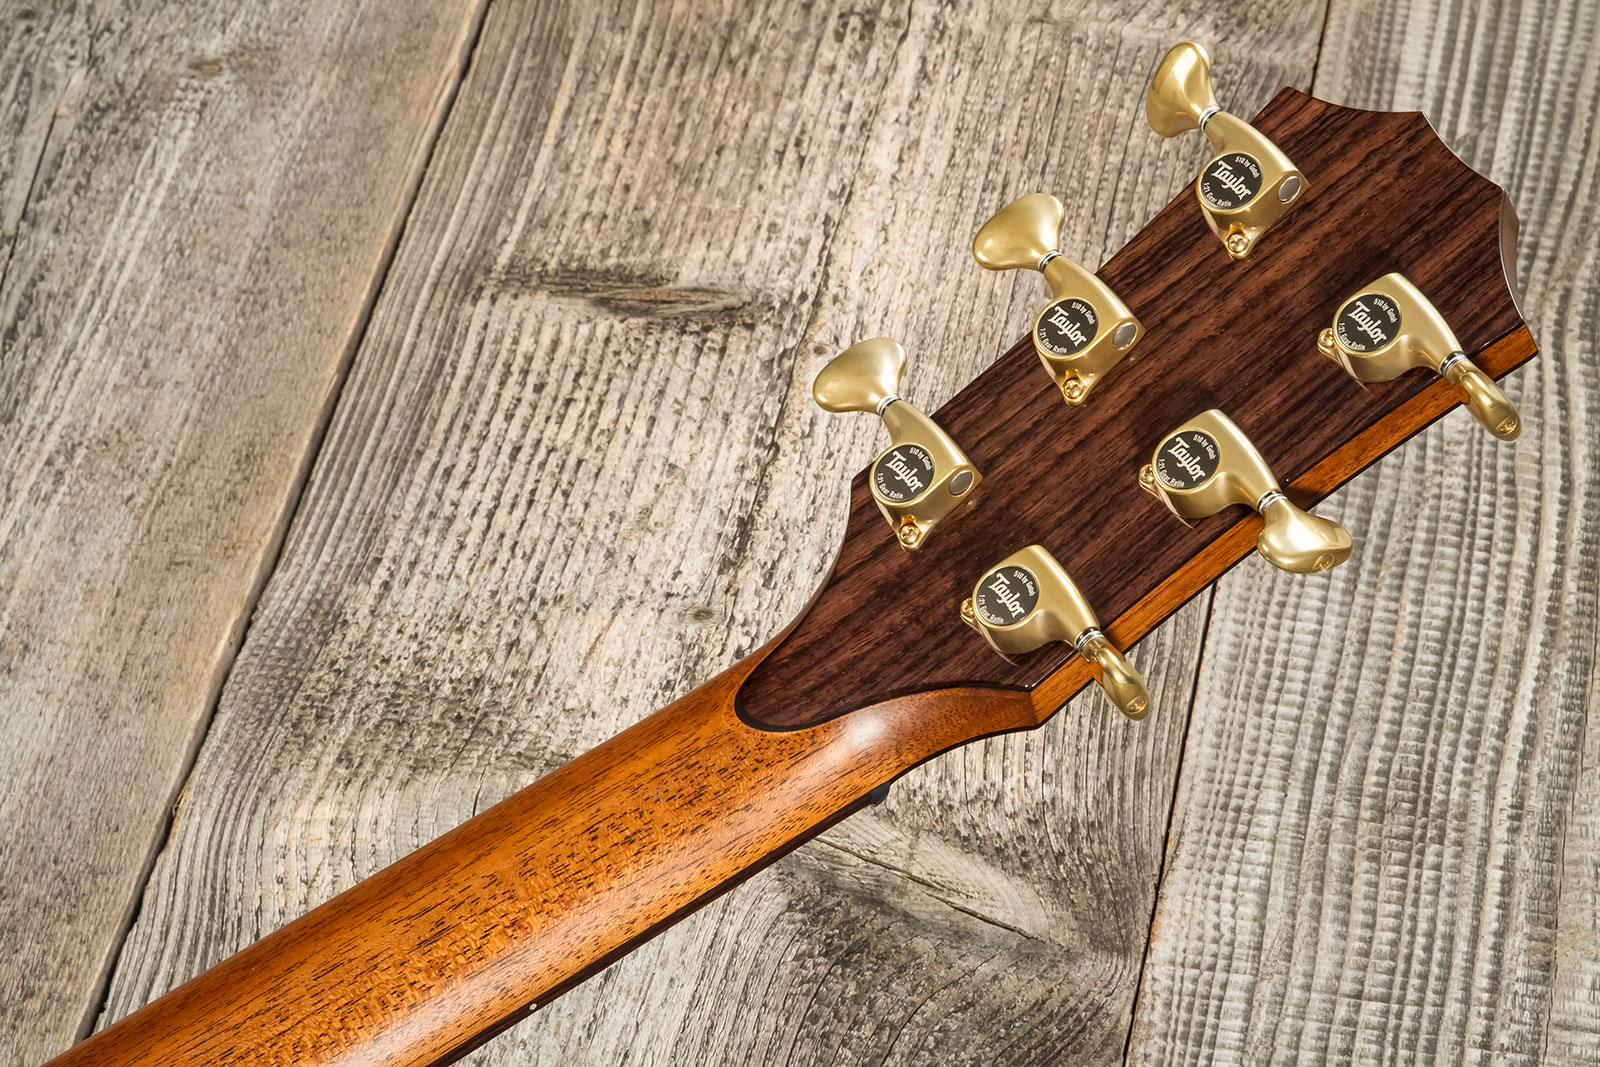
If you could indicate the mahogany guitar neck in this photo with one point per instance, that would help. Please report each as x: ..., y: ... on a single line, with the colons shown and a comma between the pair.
x: 465, y: 936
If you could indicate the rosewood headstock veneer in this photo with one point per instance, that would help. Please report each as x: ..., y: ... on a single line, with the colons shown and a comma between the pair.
x: 1235, y: 334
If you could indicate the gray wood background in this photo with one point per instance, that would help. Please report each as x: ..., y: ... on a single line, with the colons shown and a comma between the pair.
x: 328, y: 518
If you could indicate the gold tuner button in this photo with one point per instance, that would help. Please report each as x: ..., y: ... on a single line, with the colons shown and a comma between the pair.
x: 1390, y: 328
x: 1086, y: 329
x: 1208, y: 464
x: 1249, y: 184
x: 922, y: 476
x: 1028, y: 600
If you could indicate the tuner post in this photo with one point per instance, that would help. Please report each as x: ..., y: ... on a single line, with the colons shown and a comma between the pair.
x: 1390, y: 328
x: 1250, y: 184
x: 1208, y: 464
x: 923, y: 475
x: 1086, y: 329
x: 1028, y: 600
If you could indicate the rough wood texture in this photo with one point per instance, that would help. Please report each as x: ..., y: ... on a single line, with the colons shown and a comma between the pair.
x: 1218, y: 334
x: 1385, y: 847
x: 517, y: 543
x: 195, y: 202
x: 575, y: 471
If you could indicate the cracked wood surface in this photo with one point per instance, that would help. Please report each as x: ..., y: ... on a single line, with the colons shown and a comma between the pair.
x: 195, y: 204
x: 515, y: 543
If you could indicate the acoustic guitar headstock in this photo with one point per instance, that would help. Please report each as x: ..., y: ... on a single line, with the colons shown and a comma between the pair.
x: 1206, y: 376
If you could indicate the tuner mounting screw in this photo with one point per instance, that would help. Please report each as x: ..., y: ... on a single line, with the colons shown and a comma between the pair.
x: 1072, y: 391
x: 1325, y: 344
x: 1238, y: 244
x: 909, y: 534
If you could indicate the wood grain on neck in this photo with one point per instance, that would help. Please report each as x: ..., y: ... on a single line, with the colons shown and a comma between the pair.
x: 421, y: 962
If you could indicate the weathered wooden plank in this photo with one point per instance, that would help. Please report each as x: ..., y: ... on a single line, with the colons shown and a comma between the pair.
x: 1385, y: 847
x: 516, y: 543
x: 196, y: 201
x: 41, y: 61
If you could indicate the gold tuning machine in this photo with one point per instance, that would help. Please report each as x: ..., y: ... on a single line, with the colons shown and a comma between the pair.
x: 1389, y: 328
x: 1086, y: 329
x: 1208, y: 464
x: 1249, y: 184
x: 1028, y: 600
x: 922, y: 475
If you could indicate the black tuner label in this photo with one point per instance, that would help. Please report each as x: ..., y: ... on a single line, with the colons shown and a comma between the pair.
x: 1367, y: 323
x: 902, y: 474
x: 1006, y: 596
x: 1230, y: 181
x: 1187, y: 459
x: 1066, y: 327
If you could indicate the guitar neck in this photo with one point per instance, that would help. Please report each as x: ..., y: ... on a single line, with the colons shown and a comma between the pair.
x: 436, y: 953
